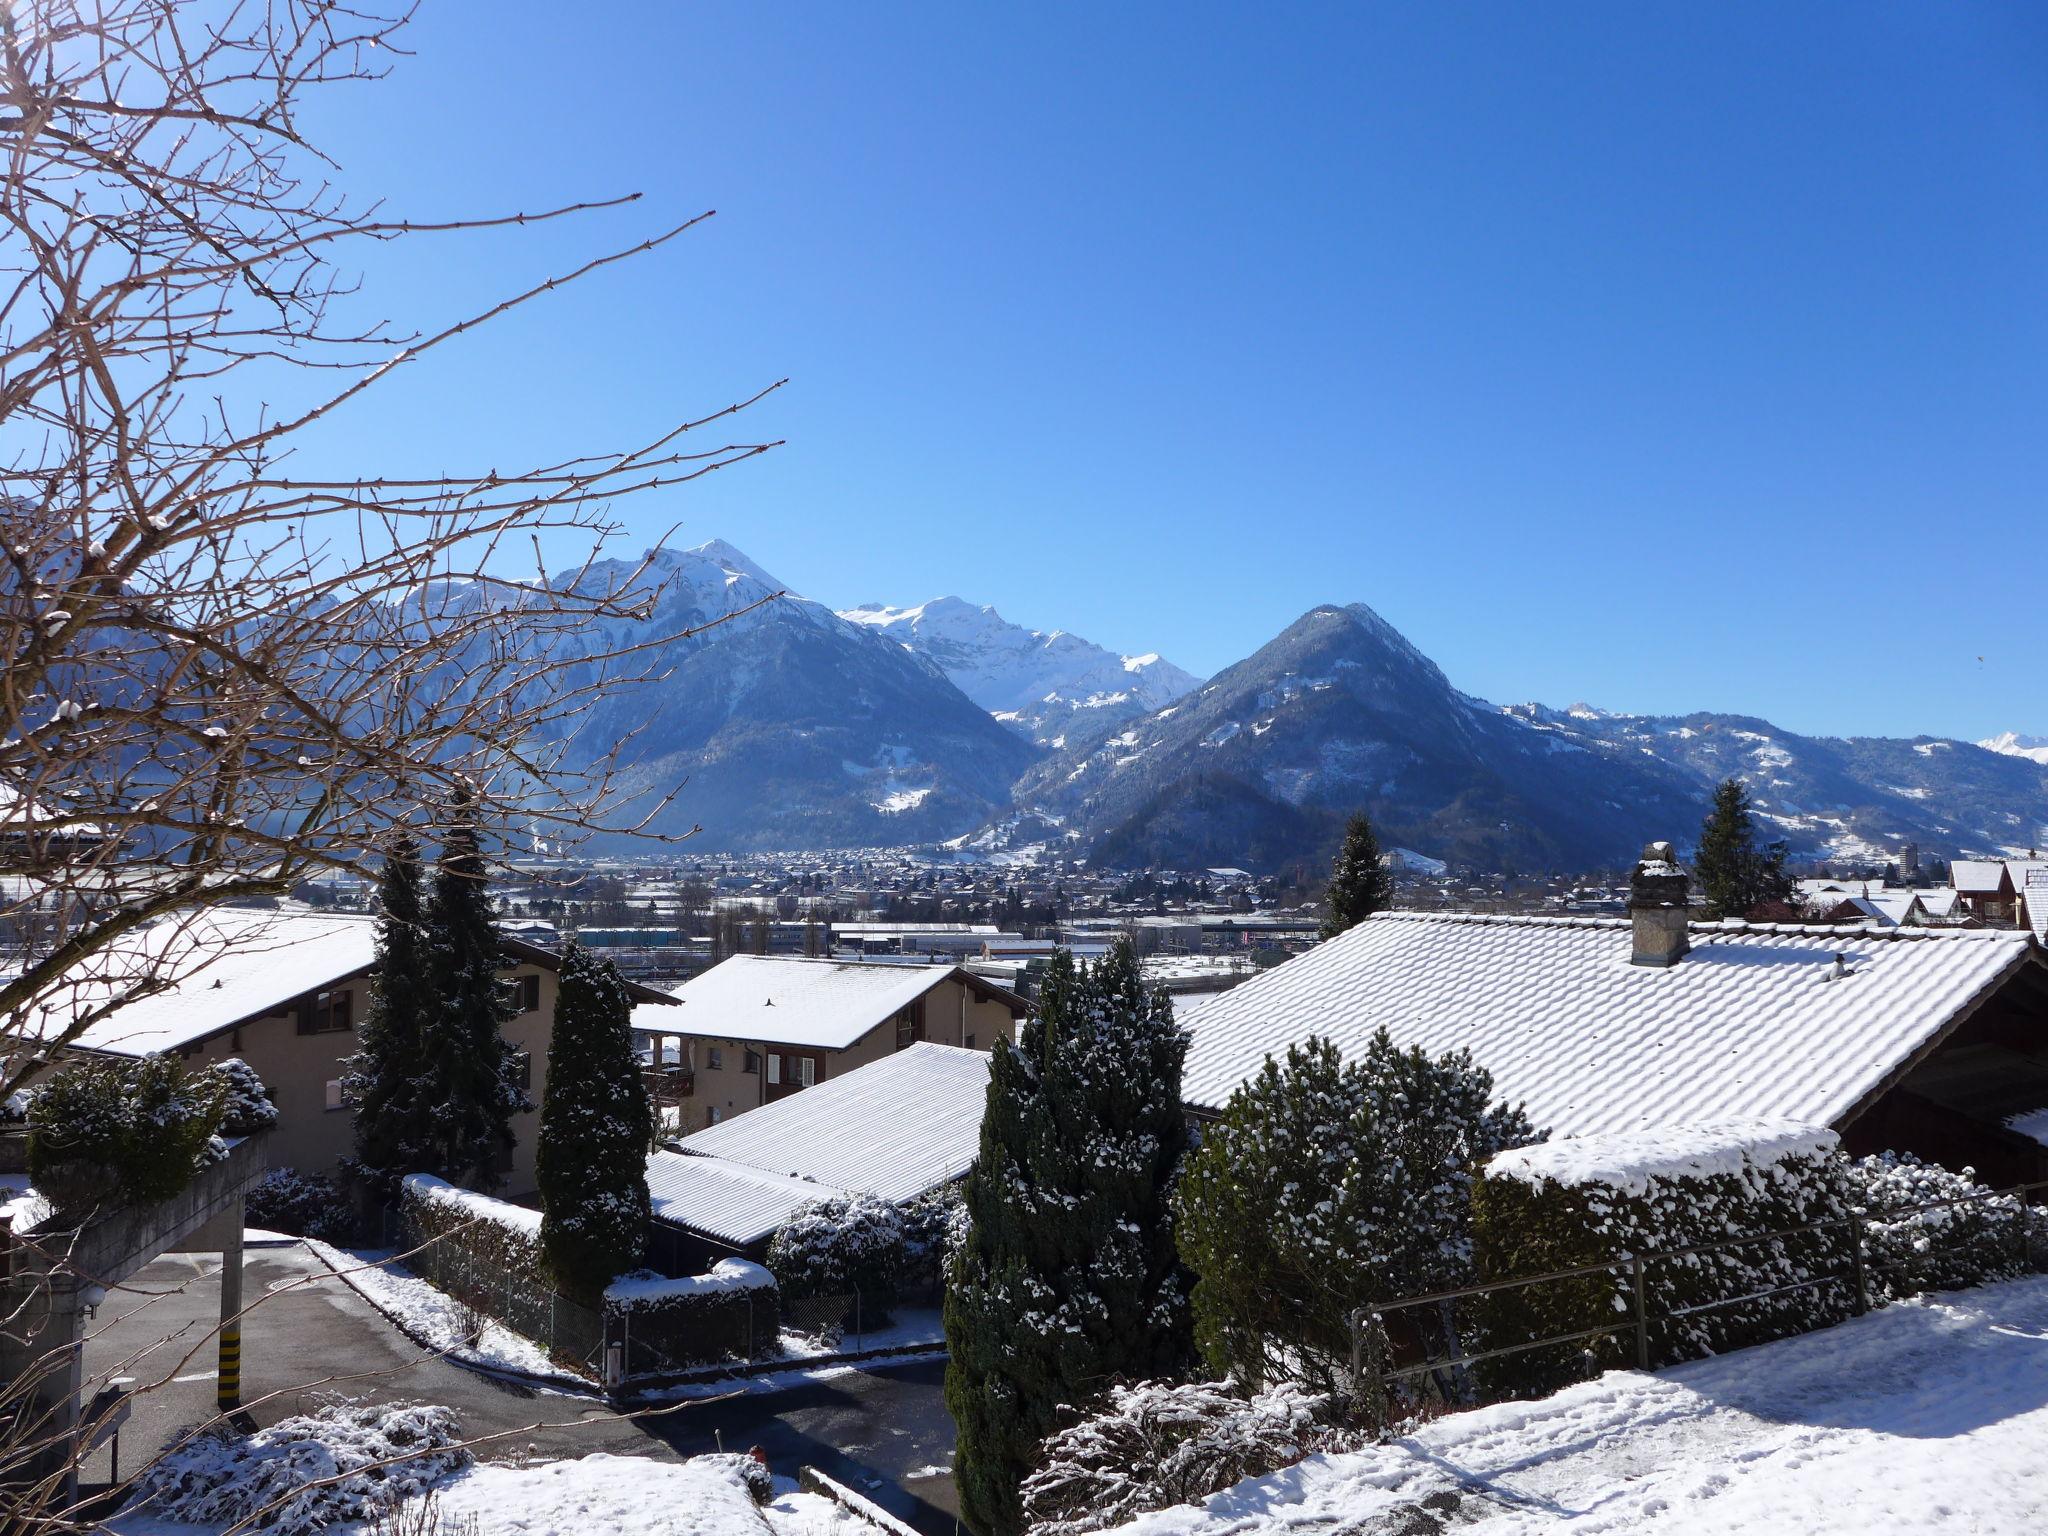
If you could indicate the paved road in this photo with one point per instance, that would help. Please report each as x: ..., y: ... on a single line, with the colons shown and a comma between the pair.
x: 310, y: 1335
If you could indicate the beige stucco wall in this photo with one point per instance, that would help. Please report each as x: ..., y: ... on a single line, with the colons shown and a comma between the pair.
x: 297, y: 1068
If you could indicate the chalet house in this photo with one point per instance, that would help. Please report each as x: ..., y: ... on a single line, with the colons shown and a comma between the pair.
x: 897, y: 1127
x: 1985, y: 889
x: 1928, y: 1040
x: 755, y: 1029
x: 285, y: 992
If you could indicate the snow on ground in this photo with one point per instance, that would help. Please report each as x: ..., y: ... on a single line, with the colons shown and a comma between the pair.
x: 436, y: 1318
x: 606, y: 1495
x: 1927, y: 1416
x: 913, y: 1328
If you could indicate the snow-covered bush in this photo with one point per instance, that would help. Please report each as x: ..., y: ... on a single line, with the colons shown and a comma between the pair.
x: 278, y: 1479
x: 1906, y: 1253
x: 302, y: 1204
x: 1595, y: 1199
x: 483, y: 1252
x: 933, y: 1224
x: 245, y: 1102
x: 119, y: 1130
x: 1157, y: 1444
x: 849, y: 1243
x: 664, y: 1324
x: 750, y: 1472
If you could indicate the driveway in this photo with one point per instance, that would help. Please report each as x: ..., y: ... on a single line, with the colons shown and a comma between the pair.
x: 308, y: 1336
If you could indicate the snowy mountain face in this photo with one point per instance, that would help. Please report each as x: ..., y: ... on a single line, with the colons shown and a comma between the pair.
x: 785, y: 726
x: 1045, y: 686
x: 2012, y: 744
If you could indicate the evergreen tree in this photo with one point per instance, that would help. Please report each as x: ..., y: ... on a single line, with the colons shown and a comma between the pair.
x: 1327, y: 1185
x: 474, y: 1093
x: 388, y: 1080
x: 1359, y: 882
x: 1067, y: 1276
x: 595, y: 1128
x: 1734, y: 873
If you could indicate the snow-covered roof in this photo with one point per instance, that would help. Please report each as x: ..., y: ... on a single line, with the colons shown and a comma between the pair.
x: 791, y: 1000
x: 204, y: 972
x: 1980, y: 877
x: 895, y: 1127
x: 730, y: 1201
x: 1753, y: 1023
x: 2036, y: 892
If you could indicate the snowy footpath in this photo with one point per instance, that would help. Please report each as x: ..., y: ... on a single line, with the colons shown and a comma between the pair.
x: 1928, y: 1416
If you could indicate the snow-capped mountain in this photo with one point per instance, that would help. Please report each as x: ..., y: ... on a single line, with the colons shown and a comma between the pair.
x: 2012, y: 744
x: 786, y: 726
x: 1042, y: 684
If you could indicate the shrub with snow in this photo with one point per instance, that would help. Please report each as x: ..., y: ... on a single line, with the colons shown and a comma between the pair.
x: 123, y: 1131
x: 303, y: 1204
x: 1157, y: 1444
x: 933, y: 1225
x: 1907, y: 1252
x: 245, y: 1102
x: 1595, y: 1199
x: 833, y: 1247
x: 730, y: 1313
x: 305, y: 1474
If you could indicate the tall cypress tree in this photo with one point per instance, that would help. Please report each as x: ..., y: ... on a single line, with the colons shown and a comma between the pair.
x: 474, y: 1092
x: 595, y: 1128
x: 1067, y: 1278
x: 1359, y: 882
x: 1734, y: 873
x: 388, y: 1081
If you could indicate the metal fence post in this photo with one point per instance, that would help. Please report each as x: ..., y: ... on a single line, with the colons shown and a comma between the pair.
x: 1856, y: 1260
x: 1642, y: 1313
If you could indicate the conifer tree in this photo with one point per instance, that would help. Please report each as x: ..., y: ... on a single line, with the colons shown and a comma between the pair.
x: 1359, y: 882
x: 387, y: 1080
x: 1734, y: 873
x: 1067, y: 1277
x: 473, y: 1094
x: 595, y: 1127
x: 1328, y: 1184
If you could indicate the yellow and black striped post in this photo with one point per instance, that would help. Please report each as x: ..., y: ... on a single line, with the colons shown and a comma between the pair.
x: 228, y: 1390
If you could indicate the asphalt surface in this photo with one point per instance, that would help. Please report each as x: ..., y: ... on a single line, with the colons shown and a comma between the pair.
x: 309, y: 1338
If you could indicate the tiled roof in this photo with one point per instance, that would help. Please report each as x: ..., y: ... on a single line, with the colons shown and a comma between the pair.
x: 895, y: 1127
x: 209, y: 970
x: 1754, y: 1022
x: 787, y: 1000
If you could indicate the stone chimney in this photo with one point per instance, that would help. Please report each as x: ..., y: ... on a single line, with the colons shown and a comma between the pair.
x: 1656, y: 908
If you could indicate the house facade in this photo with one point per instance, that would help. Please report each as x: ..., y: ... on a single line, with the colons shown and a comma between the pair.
x: 756, y: 1029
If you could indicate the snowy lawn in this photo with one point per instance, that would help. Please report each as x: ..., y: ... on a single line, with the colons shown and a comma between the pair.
x: 438, y: 1319
x: 1925, y: 1416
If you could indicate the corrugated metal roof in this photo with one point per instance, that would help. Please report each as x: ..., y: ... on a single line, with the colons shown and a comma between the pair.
x: 741, y: 1205
x: 790, y: 1000
x: 1752, y: 1023
x: 894, y: 1128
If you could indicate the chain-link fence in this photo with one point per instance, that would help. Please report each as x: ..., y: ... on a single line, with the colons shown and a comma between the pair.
x: 838, y: 1322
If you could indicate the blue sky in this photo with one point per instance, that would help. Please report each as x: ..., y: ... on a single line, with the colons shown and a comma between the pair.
x: 1664, y: 357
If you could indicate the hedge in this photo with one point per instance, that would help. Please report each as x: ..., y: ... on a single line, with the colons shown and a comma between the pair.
x: 1591, y: 1200
x: 674, y: 1324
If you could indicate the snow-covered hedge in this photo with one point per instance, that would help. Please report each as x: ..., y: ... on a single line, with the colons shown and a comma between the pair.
x: 1566, y: 1204
x: 477, y: 1249
x: 1906, y: 1253
x: 302, y: 1204
x: 304, y: 1475
x: 1157, y: 1444
x: 663, y: 1324
x: 933, y: 1224
x: 839, y: 1246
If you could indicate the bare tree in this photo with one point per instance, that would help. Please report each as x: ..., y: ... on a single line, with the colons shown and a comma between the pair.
x: 222, y: 676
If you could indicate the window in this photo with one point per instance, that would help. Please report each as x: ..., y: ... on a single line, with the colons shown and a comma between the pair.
x: 774, y: 1067
x: 716, y: 1059
x: 334, y: 1098
x: 806, y: 1071
x: 715, y: 1115
x: 522, y: 992
x: 753, y: 1062
x: 324, y: 1013
x: 970, y: 1042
